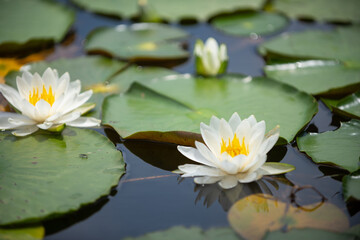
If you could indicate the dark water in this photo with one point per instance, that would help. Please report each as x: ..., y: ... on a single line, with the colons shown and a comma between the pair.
x: 149, y: 197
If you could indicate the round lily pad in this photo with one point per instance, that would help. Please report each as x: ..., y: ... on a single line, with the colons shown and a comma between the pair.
x: 170, y: 10
x: 256, y: 214
x: 66, y: 171
x: 138, y: 42
x: 316, y: 77
x: 340, y: 44
x: 168, y: 109
x: 245, y: 24
x: 339, y: 147
x: 22, y: 23
x: 320, y: 10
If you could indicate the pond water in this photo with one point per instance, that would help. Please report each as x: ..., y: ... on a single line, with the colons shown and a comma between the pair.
x: 150, y: 197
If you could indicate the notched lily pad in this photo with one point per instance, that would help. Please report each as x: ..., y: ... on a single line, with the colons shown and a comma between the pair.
x: 22, y: 24
x: 317, y: 77
x: 254, y: 215
x: 348, y: 106
x: 247, y: 24
x: 339, y: 147
x: 170, y: 109
x: 57, y: 178
x: 351, y: 186
x: 139, y: 42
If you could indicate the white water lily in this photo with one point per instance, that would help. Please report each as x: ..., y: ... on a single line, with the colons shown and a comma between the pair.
x: 235, y: 151
x: 210, y: 59
x: 46, y: 102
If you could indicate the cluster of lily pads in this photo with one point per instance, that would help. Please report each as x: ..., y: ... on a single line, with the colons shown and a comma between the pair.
x: 38, y: 172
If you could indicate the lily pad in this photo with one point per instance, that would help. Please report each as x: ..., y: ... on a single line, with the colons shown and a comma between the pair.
x: 308, y: 233
x: 29, y: 233
x: 339, y: 44
x: 171, y: 10
x: 168, y: 109
x: 316, y: 77
x: 339, y: 147
x: 63, y: 174
x: 245, y: 24
x: 195, y: 233
x: 348, y: 106
x: 138, y: 42
x: 351, y: 186
x: 320, y: 10
x: 254, y: 215
x: 22, y: 23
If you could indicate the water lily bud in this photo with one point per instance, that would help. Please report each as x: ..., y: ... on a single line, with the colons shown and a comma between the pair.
x: 210, y: 59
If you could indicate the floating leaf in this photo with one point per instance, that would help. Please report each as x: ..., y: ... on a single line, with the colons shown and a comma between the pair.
x: 351, y: 186
x: 169, y: 106
x: 339, y: 147
x: 348, y: 106
x: 317, y: 77
x: 195, y: 233
x: 139, y: 42
x: 29, y: 233
x: 22, y: 23
x: 63, y: 174
x: 320, y: 10
x: 171, y: 10
x: 254, y: 215
x: 339, y: 44
x: 245, y: 24
x: 308, y: 233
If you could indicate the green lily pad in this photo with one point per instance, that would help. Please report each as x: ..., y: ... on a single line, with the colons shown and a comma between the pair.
x: 316, y: 77
x: 339, y: 44
x: 171, y: 10
x: 351, y: 186
x: 22, y: 23
x: 320, y: 10
x: 139, y: 42
x: 348, y: 106
x: 63, y: 174
x: 195, y: 233
x: 103, y: 75
x: 28, y: 233
x: 253, y: 216
x: 308, y: 233
x: 168, y: 109
x: 339, y: 147
x: 244, y: 24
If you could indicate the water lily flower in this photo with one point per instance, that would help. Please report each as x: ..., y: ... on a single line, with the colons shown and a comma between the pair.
x: 46, y: 102
x: 210, y: 59
x: 235, y: 151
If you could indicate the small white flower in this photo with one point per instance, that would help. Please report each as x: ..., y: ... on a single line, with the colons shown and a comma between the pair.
x: 210, y: 59
x: 46, y: 102
x: 235, y: 151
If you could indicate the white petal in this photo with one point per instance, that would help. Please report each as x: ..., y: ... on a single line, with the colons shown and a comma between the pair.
x: 252, y: 120
x: 84, y: 122
x: 80, y: 100
x: 75, y: 86
x: 211, y: 140
x: 225, y: 131
x: 248, y: 177
x: 192, y: 170
x: 234, y: 121
x: 21, y: 120
x: 195, y: 155
x: 70, y: 117
x: 239, y: 161
x: 23, y: 87
x: 223, y: 53
x: 207, y: 180
x: 215, y: 123
x: 45, y: 125
x: 42, y: 110
x: 256, y: 164
x: 228, y: 182
x: 11, y: 95
x: 63, y: 84
x: 24, y: 131
x: 49, y: 78
x: 4, y: 120
x: 273, y: 168
x: 27, y: 77
x: 268, y: 144
x: 28, y: 109
x: 37, y: 82
x: 228, y: 166
x: 244, y: 131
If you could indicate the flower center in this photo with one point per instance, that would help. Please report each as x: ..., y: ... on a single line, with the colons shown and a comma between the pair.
x: 35, y: 96
x: 234, y: 148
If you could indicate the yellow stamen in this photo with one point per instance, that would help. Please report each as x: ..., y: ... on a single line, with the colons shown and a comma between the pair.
x: 234, y: 148
x: 34, y: 97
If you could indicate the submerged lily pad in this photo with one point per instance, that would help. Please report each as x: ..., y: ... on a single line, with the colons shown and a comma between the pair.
x: 244, y: 24
x: 308, y: 233
x: 351, y: 186
x: 348, y: 106
x: 340, y: 44
x: 194, y: 233
x: 22, y: 23
x: 339, y: 147
x: 317, y: 77
x: 320, y: 10
x: 171, y: 10
x: 254, y: 215
x: 28, y: 233
x: 165, y: 108
x: 63, y: 174
x: 138, y: 42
